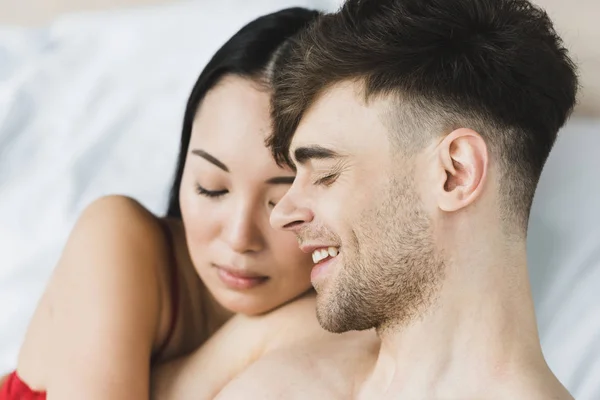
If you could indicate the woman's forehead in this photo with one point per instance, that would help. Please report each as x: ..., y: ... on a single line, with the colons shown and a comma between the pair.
x: 232, y: 125
x: 233, y: 111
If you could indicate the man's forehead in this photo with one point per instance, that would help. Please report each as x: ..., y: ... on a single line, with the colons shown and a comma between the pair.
x: 325, y: 120
x: 340, y: 119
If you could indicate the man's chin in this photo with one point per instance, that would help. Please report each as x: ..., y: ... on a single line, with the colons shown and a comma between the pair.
x: 330, y: 316
x: 328, y: 323
x: 336, y: 313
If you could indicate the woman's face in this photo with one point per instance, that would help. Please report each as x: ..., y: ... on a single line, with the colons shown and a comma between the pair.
x: 229, y: 186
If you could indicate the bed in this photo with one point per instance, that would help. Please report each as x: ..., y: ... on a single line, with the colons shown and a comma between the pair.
x: 91, y: 104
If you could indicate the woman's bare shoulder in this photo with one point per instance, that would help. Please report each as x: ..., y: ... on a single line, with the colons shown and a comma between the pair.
x: 105, y: 290
x: 298, y: 350
x: 136, y: 239
x: 121, y: 224
x: 299, y: 312
x: 296, y: 323
x: 121, y: 212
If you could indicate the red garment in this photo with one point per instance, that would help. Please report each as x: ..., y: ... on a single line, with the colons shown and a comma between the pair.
x: 15, y: 389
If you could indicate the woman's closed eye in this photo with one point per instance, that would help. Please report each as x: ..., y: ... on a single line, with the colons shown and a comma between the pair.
x: 274, y: 200
x: 210, y: 193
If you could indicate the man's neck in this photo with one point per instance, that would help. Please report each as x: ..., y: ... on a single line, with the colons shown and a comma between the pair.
x: 479, y: 332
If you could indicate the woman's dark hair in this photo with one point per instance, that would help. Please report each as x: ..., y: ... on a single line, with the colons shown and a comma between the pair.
x: 248, y: 54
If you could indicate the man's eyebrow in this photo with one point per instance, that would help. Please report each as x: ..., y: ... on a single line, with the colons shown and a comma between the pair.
x: 281, y: 180
x: 211, y: 159
x: 304, y: 154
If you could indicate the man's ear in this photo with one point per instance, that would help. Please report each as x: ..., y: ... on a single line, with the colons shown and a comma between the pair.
x: 462, y: 159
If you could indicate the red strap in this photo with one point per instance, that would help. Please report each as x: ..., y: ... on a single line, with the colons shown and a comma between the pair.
x: 15, y: 389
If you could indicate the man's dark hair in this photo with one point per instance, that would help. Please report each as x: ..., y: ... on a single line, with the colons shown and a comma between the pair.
x: 495, y: 66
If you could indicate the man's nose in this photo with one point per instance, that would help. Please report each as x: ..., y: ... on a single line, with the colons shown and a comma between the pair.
x: 290, y: 213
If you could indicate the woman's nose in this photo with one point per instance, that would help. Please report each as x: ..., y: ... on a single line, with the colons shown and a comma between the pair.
x: 243, y: 232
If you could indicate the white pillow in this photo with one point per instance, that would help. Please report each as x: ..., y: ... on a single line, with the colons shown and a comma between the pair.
x: 564, y: 258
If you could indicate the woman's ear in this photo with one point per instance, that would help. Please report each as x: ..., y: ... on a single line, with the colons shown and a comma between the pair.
x: 462, y: 168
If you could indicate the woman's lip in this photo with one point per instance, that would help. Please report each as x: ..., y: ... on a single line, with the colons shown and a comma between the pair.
x: 238, y: 273
x: 239, y: 282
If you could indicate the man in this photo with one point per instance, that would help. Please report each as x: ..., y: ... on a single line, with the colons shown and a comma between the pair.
x: 419, y: 129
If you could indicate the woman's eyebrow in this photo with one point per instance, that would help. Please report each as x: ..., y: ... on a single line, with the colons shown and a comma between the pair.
x: 281, y: 180
x: 211, y: 159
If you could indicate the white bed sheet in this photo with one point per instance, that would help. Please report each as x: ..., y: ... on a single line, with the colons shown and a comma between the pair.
x: 92, y: 104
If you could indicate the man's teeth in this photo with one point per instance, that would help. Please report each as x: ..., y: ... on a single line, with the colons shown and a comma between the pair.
x: 321, y: 254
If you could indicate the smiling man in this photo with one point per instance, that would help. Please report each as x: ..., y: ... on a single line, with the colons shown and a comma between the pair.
x: 419, y: 129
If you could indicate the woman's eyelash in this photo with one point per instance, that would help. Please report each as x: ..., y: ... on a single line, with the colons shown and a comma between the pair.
x: 210, y: 193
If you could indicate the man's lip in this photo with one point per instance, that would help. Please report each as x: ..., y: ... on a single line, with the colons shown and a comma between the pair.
x: 240, y: 273
x: 319, y: 268
x: 309, y: 248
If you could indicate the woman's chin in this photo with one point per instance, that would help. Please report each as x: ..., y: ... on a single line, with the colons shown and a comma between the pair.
x: 256, y: 304
x: 240, y: 304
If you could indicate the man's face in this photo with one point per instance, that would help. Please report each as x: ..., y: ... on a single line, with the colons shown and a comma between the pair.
x: 354, y: 206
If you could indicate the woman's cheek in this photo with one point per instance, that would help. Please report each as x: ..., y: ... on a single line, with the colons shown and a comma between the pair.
x: 200, y: 223
x: 289, y: 252
x: 201, y: 227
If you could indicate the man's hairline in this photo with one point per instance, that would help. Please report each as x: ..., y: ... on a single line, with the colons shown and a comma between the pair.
x: 362, y: 95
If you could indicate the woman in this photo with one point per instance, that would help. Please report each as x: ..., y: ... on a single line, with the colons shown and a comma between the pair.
x: 132, y: 290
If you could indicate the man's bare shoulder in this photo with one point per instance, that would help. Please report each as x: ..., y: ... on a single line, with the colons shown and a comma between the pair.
x: 533, y: 381
x: 538, y: 386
